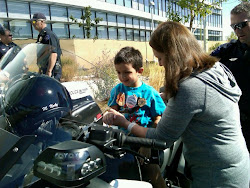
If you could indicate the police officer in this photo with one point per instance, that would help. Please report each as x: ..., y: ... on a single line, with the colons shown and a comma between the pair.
x: 236, y: 56
x: 6, y: 42
x: 46, y: 36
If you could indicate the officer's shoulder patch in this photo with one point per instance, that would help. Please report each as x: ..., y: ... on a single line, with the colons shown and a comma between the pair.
x: 47, y: 37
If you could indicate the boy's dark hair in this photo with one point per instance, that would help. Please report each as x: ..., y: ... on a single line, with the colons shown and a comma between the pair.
x: 129, y: 55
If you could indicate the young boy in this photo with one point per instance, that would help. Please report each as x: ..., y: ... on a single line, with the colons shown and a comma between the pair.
x: 139, y: 102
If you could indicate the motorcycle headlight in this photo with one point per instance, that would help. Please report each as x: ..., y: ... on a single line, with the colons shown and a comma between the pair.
x: 70, y: 163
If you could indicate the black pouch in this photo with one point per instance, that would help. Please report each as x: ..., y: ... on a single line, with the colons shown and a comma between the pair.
x: 58, y: 67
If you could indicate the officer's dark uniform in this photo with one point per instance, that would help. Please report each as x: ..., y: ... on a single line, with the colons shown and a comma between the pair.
x: 236, y: 56
x: 4, y: 48
x: 46, y: 36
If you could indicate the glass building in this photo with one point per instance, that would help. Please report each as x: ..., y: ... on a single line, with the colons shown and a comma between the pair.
x: 129, y: 20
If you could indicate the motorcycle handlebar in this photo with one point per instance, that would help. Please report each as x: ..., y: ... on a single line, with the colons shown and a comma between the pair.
x: 102, y: 135
x: 152, y: 143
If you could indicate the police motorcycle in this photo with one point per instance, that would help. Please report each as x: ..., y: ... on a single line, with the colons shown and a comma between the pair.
x: 53, y: 136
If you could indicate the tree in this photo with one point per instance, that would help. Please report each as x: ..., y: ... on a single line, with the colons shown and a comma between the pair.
x: 87, y: 23
x: 232, y: 36
x: 195, y: 8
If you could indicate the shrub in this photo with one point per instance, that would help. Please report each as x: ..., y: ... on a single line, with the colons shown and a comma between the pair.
x: 212, y: 48
x: 69, y: 69
x: 156, y: 76
x: 105, y: 77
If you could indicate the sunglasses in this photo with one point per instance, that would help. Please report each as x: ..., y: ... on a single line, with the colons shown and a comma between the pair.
x: 239, y: 25
x: 34, y: 21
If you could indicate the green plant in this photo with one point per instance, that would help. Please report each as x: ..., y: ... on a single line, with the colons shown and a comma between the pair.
x: 87, y: 23
x: 212, y: 48
x: 194, y: 8
x: 156, y: 76
x: 69, y: 68
x: 105, y: 77
x: 232, y: 36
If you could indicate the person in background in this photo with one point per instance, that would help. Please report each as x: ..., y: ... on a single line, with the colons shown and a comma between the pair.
x: 202, y: 110
x: 139, y: 103
x: 236, y: 56
x: 6, y: 42
x: 46, y: 36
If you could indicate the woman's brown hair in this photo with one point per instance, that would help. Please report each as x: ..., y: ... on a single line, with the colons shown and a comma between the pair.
x: 183, y: 54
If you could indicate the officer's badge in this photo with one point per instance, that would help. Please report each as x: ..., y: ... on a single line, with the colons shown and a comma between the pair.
x: 141, y: 102
x: 131, y: 101
x: 120, y: 100
x: 233, y: 59
x: 40, y: 39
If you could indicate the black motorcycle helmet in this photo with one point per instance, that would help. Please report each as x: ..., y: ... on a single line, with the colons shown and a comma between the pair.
x: 35, y: 103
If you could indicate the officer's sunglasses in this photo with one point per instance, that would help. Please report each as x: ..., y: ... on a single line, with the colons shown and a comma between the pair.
x: 239, y: 25
x: 34, y: 21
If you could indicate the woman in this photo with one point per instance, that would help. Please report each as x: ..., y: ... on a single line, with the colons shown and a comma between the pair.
x: 202, y: 109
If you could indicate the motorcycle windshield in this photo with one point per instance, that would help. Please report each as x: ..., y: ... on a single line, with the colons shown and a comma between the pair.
x: 79, y: 76
x: 31, y: 58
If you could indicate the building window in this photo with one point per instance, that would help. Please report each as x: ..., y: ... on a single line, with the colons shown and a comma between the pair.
x: 18, y: 10
x: 112, y: 33
x: 135, y: 4
x: 136, y: 23
x: 4, y: 24
x: 156, y: 7
x: 147, y: 8
x: 160, y: 8
x: 102, y: 32
x: 35, y: 8
x: 76, y: 13
x: 92, y: 32
x: 121, y: 21
x: 121, y: 34
x: 164, y: 8
x: 148, y: 25
x: 110, y: 1
x: 58, y: 13
x: 129, y: 22
x: 147, y: 35
x: 103, y: 16
x: 76, y: 31
x: 20, y: 29
x: 61, y: 30
x: 136, y: 35
x: 141, y: 5
x: 112, y: 20
x: 142, y: 35
x: 129, y: 34
x: 142, y: 24
x: 120, y: 2
x: 128, y: 3
x: 3, y: 12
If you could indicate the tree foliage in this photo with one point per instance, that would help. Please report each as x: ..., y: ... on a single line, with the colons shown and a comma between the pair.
x: 87, y: 23
x: 232, y: 36
x: 195, y: 8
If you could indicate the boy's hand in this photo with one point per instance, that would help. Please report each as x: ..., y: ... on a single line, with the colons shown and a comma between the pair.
x: 112, y: 117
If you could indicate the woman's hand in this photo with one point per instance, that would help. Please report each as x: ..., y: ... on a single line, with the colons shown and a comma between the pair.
x: 113, y: 117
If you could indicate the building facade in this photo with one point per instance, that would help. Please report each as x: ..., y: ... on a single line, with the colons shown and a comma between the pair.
x: 126, y: 20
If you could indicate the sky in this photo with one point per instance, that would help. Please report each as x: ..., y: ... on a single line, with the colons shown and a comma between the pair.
x: 227, y: 7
